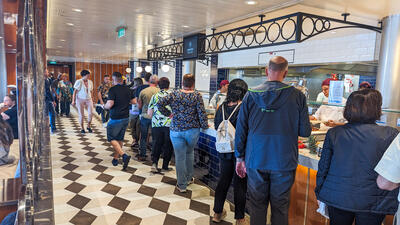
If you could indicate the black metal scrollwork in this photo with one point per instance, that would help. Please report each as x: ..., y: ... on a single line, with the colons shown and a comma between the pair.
x: 293, y: 28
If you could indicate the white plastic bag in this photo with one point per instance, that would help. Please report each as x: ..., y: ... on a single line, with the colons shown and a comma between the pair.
x: 323, y: 209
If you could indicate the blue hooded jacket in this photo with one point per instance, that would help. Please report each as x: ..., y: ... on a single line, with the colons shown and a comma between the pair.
x: 271, y: 118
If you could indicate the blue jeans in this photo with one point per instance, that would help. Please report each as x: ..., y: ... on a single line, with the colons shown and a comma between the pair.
x: 145, y: 125
x: 184, y: 142
x: 52, y: 115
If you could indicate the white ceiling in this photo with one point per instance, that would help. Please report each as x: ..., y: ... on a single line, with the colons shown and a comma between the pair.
x: 94, y: 37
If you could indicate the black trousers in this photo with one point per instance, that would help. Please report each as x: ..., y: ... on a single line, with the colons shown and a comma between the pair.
x: 161, y: 143
x: 65, y: 107
x: 227, y: 173
x: 57, y: 107
x: 342, y: 217
x: 272, y: 187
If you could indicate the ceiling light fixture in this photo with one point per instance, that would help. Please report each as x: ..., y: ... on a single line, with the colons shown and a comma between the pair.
x: 128, y: 70
x: 9, y: 45
x: 1, y: 37
x: 251, y: 2
x: 70, y: 24
x: 77, y: 10
x: 165, y: 68
x: 147, y: 69
x: 62, y: 40
x: 139, y: 69
x: 59, y: 46
x: 185, y: 26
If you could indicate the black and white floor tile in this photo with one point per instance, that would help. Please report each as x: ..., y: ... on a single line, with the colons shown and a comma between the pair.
x: 89, y: 190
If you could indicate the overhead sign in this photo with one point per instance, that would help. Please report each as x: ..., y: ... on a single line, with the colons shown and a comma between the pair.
x: 193, y: 47
x: 53, y: 62
x: 121, y: 32
x: 264, y: 57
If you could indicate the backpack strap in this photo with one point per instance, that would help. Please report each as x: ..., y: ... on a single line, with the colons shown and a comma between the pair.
x: 234, y: 110
x: 223, y: 112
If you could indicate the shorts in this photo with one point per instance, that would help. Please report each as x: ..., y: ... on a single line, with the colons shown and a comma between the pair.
x: 116, y: 129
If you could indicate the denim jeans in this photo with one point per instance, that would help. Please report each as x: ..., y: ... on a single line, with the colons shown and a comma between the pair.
x: 52, y: 115
x: 343, y: 217
x: 272, y: 187
x: 145, y: 125
x: 184, y: 142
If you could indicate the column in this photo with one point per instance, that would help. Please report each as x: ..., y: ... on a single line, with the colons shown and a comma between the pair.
x: 388, y: 76
x: 3, y: 65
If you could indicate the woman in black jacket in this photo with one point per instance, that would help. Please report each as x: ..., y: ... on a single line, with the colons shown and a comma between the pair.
x: 346, y: 180
x: 236, y: 91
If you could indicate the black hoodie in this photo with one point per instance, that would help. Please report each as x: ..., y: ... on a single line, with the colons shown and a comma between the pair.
x: 272, y: 117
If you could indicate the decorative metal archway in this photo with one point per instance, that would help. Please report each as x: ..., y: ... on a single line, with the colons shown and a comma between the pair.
x: 293, y: 28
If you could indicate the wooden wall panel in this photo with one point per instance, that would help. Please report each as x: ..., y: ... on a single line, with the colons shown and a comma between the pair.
x: 11, y: 61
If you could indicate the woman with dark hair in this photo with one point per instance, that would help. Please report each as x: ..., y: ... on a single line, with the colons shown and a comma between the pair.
x: 83, y: 98
x: 11, y: 114
x: 346, y: 180
x: 6, y: 139
x: 236, y: 91
x: 134, y: 120
x: 188, y: 116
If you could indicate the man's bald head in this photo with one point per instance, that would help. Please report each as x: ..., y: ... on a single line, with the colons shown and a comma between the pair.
x: 277, y: 69
x: 278, y: 64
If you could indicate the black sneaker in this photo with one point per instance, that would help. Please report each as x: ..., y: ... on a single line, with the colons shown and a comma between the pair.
x: 125, y: 158
x: 89, y: 130
x: 83, y: 131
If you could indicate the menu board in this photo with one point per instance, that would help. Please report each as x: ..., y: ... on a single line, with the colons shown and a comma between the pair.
x: 193, y: 46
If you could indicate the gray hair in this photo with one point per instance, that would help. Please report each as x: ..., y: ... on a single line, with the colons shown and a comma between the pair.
x: 153, y: 79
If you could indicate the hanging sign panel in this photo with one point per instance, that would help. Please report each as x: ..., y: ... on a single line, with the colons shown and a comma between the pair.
x: 264, y: 57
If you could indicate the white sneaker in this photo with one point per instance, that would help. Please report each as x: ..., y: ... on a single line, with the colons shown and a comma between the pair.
x: 154, y: 168
x: 105, y: 125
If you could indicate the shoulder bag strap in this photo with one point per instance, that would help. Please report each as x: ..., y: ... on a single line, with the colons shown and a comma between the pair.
x: 234, y: 110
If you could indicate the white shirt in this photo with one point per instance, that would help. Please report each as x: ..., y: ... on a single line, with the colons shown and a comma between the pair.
x: 83, y: 92
x: 389, y: 166
x: 221, y: 98
x: 322, y: 98
x: 329, y: 112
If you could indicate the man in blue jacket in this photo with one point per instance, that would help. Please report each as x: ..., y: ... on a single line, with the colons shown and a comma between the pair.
x: 272, y: 117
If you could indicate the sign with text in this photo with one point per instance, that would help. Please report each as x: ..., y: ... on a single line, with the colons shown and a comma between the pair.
x: 336, y: 89
x: 264, y: 57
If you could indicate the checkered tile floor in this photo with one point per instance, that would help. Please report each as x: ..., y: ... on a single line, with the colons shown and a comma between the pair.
x: 89, y: 190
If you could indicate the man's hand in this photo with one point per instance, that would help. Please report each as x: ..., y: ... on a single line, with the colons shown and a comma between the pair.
x: 73, y: 103
x: 330, y: 123
x: 54, y: 104
x: 241, y: 169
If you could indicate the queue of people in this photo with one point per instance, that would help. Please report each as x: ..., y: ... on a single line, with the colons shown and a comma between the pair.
x: 358, y: 171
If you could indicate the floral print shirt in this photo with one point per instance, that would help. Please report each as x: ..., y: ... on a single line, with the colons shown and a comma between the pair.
x: 158, y: 119
x: 187, y: 110
x: 103, y: 89
x: 65, y: 91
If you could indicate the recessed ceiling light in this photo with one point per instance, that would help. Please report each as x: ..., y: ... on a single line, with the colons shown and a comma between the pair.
x: 185, y: 26
x: 95, y: 44
x: 9, y: 45
x: 59, y: 46
x: 1, y: 37
x: 62, y: 40
x: 77, y: 10
x: 251, y: 2
x: 70, y: 24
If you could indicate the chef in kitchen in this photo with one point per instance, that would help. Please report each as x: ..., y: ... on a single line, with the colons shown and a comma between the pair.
x: 329, y: 115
